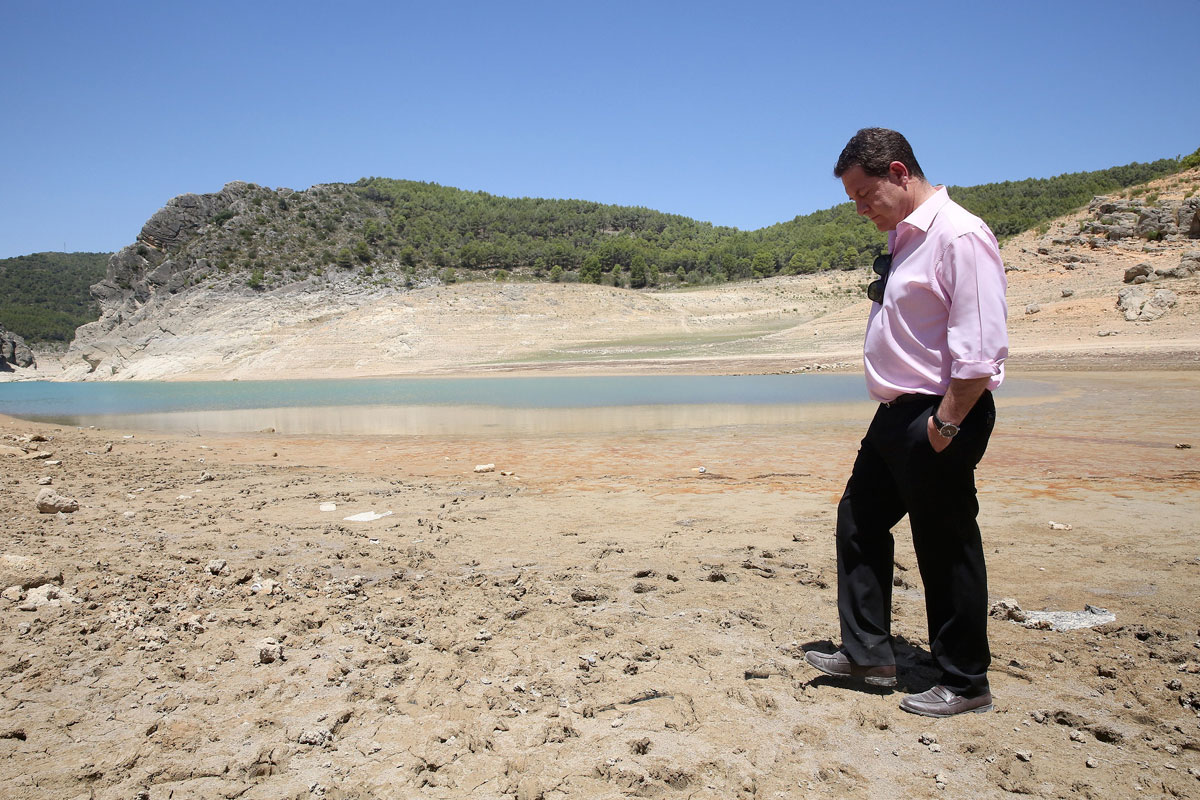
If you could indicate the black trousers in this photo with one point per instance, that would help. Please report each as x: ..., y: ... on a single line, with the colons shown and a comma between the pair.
x: 898, y: 472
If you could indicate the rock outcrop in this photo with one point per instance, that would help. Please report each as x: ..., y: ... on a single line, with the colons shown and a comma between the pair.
x: 13, y: 351
x: 188, y: 270
x: 1137, y: 306
x: 1117, y: 218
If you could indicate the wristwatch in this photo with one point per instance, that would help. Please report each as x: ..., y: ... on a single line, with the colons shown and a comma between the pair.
x: 945, y: 428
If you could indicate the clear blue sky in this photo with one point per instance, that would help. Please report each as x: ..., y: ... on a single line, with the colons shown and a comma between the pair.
x: 728, y: 112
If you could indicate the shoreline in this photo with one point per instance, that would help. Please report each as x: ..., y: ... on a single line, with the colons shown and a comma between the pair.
x: 1134, y: 358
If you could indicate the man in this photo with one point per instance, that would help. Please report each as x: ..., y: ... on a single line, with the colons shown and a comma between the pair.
x: 935, y: 348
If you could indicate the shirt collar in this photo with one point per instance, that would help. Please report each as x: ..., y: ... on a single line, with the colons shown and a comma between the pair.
x: 923, y: 215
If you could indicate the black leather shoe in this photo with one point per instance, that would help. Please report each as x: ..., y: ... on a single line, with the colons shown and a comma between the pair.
x: 942, y: 702
x: 839, y: 665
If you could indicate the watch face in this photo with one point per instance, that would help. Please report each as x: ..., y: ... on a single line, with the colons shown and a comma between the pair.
x: 949, y: 431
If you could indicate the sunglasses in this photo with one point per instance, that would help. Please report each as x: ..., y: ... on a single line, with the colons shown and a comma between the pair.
x: 881, y: 267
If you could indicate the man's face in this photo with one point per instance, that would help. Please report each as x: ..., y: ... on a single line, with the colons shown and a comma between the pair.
x: 885, y: 201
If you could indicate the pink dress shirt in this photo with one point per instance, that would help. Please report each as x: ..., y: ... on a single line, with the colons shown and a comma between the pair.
x: 943, y: 313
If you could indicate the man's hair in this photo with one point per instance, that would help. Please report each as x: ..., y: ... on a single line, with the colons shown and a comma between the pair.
x: 874, y: 149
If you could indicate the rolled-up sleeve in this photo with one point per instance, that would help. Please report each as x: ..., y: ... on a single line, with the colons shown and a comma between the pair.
x: 971, y: 275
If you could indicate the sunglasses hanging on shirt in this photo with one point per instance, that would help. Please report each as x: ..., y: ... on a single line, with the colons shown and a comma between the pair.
x: 882, y: 266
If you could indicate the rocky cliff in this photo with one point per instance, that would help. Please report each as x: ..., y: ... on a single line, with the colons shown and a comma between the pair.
x: 219, y: 267
x: 13, y: 351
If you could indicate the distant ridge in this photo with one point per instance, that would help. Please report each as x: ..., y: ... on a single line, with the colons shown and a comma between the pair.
x: 44, y: 297
x: 397, y: 234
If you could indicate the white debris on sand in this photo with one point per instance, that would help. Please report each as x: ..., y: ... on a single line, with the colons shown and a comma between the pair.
x: 1090, y: 617
x: 367, y: 516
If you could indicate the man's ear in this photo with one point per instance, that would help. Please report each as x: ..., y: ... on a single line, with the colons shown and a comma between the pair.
x: 898, y: 173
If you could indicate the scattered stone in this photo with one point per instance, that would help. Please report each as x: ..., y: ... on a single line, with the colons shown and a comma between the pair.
x: 46, y: 595
x: 1183, y: 446
x: 485, y: 467
x: 587, y: 596
x: 205, y: 477
x: 216, y: 566
x: 1091, y: 763
x: 26, y: 573
x: 263, y: 585
x: 927, y: 739
x: 1024, y: 755
x: 269, y: 651
x: 328, y: 506
x: 316, y: 737
x: 1143, y: 270
x: 1138, y: 307
x: 1039, y: 717
x: 45, y: 480
x: 1059, y: 526
x: 51, y: 502
x: 1068, y: 292
x: 1032, y: 308
x: 1007, y: 608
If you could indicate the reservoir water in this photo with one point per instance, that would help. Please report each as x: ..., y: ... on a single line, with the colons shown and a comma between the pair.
x: 445, y: 406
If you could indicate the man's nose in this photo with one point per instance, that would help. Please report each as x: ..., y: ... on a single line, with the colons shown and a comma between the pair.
x: 860, y: 207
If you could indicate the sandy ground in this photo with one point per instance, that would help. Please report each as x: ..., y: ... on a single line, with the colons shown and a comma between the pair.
x: 603, y: 622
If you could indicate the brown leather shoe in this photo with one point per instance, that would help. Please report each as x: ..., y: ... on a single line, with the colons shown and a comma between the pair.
x: 839, y: 665
x: 942, y: 702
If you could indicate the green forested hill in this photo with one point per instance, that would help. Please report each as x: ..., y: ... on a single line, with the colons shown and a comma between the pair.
x: 1014, y: 206
x: 438, y: 226
x: 406, y: 233
x: 44, y: 296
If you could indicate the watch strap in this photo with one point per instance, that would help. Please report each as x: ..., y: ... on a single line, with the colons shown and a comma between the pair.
x: 944, y: 428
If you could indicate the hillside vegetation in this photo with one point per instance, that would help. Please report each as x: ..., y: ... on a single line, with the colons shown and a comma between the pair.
x: 405, y: 234
x: 44, y: 296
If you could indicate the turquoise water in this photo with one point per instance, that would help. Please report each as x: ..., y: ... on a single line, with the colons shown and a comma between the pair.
x: 441, y: 405
x: 43, y: 400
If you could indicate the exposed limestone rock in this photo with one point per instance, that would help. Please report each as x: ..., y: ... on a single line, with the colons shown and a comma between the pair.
x: 1138, y: 307
x: 1117, y: 218
x: 26, y: 572
x: 51, y: 502
x: 13, y: 351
